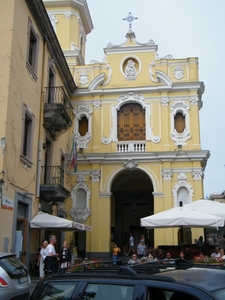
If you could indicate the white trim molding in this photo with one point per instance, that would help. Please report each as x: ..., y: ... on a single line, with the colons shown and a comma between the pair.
x: 180, y: 106
x: 80, y: 195
x: 79, y: 112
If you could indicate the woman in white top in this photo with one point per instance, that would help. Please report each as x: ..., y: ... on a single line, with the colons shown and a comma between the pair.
x: 41, y: 259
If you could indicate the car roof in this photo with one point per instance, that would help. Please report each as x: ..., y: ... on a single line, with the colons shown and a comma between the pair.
x: 5, y: 254
x: 209, y: 278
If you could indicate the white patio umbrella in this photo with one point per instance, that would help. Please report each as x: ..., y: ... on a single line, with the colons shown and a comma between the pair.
x: 182, y: 216
x: 207, y: 206
x: 44, y: 220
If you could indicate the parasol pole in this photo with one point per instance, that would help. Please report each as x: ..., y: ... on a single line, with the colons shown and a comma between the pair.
x: 181, y: 230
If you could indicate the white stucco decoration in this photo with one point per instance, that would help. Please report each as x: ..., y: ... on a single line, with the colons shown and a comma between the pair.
x: 106, y: 140
x: 182, y: 107
x: 178, y: 73
x: 156, y: 139
x: 54, y: 20
x: 83, y: 78
x: 130, y: 97
x: 73, y: 46
x: 163, y: 78
x: 109, y: 76
x: 97, y: 82
x: 80, y: 195
x: 168, y: 56
x: 165, y: 101
x: 197, y: 174
x: 182, y: 176
x: 131, y: 70
x: 130, y: 164
x: 79, y: 112
x: 182, y: 191
x: 95, y: 175
x: 152, y: 75
x: 167, y: 174
x: 97, y: 103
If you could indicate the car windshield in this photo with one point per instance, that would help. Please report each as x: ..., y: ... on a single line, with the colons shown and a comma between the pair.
x: 220, y: 295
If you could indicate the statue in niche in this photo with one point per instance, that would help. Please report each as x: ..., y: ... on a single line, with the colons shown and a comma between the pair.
x: 130, y: 70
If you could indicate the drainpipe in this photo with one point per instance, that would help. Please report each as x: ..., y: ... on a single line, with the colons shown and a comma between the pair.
x: 38, y: 169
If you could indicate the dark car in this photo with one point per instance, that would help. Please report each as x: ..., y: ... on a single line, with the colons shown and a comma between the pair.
x: 14, y: 278
x: 147, y: 281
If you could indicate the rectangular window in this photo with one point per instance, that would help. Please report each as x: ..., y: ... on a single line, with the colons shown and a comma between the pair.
x: 32, y: 49
x: 27, y: 136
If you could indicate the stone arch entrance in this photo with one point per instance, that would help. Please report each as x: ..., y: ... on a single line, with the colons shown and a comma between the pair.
x: 132, y: 199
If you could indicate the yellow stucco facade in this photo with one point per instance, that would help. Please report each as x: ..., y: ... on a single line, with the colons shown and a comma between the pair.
x: 170, y: 161
x: 134, y: 118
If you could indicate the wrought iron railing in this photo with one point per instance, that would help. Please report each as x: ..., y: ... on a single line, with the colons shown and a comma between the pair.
x: 52, y: 175
x: 57, y: 95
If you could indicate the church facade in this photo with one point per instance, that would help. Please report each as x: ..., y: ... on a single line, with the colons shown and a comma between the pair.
x: 133, y: 121
x: 136, y: 127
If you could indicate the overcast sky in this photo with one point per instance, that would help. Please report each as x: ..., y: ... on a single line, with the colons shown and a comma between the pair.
x: 182, y: 28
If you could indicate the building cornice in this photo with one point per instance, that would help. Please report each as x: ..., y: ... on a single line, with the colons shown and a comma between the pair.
x: 175, y: 87
x: 146, y: 157
x: 43, y: 22
x: 81, y: 5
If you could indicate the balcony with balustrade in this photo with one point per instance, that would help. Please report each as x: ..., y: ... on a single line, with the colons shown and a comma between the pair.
x: 57, y: 111
x: 52, y: 187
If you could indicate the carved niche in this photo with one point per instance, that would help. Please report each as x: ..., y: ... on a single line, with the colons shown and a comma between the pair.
x: 80, y: 195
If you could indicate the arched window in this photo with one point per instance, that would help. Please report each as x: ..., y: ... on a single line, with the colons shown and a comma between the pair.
x: 83, y: 126
x: 131, y: 122
x: 179, y: 122
x: 183, y: 196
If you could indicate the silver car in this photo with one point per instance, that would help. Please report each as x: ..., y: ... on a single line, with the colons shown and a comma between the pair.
x: 14, y: 278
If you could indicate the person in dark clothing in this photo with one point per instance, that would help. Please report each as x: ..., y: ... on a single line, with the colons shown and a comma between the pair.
x: 200, y: 243
x: 65, y: 256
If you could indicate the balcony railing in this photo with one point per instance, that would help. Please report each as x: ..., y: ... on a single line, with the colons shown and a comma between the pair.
x: 52, y: 184
x: 52, y: 175
x: 57, y: 111
x: 57, y: 95
x: 131, y: 147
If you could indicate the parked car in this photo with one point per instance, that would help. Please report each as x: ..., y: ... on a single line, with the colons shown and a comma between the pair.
x: 14, y: 278
x: 147, y: 281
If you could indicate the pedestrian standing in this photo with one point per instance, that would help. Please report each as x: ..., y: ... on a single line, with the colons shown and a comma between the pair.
x: 65, y: 256
x: 116, y: 253
x: 51, y: 259
x: 141, y: 249
x: 41, y: 259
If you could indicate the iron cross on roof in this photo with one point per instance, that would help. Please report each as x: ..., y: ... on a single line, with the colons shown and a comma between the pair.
x: 130, y: 19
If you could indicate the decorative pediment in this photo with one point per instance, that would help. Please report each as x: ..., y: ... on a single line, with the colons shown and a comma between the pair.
x: 130, y: 97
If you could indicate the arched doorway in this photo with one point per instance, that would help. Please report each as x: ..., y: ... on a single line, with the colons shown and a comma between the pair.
x: 132, y: 199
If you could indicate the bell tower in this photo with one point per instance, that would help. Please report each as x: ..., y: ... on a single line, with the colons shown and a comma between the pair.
x: 72, y: 23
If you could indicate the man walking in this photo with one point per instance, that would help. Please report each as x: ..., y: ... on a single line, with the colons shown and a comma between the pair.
x: 130, y: 244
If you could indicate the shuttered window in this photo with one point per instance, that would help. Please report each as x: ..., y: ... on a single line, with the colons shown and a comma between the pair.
x: 131, y: 122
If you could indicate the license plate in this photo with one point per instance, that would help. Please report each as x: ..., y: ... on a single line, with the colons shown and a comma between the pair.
x: 23, y: 279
